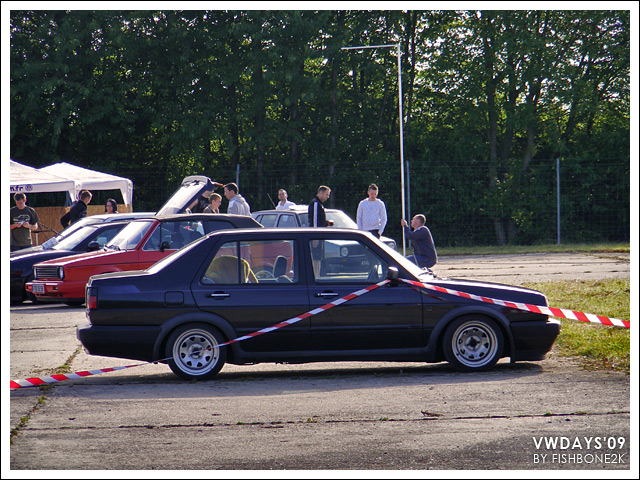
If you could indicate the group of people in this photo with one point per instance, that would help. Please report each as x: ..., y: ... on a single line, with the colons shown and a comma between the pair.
x: 211, y: 202
x: 371, y: 216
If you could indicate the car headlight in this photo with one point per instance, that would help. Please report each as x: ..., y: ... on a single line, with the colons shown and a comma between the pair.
x: 344, y: 251
x: 61, y: 273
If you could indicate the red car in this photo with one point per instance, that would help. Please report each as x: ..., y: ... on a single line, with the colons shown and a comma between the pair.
x: 138, y: 246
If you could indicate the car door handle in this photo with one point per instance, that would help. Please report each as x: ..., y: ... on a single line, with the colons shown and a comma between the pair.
x: 327, y: 294
x: 218, y: 295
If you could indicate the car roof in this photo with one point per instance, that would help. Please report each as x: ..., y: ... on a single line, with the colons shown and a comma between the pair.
x: 236, y: 219
x: 114, y: 217
x: 270, y: 231
x: 295, y: 209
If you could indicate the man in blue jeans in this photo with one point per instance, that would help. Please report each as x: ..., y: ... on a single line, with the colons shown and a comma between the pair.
x: 424, y: 251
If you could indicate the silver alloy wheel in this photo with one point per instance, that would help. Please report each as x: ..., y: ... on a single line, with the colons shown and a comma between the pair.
x: 196, y: 352
x: 474, y: 344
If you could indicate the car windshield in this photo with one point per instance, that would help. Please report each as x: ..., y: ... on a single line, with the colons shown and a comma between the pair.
x: 67, y: 232
x: 130, y: 236
x: 69, y: 242
x: 339, y: 219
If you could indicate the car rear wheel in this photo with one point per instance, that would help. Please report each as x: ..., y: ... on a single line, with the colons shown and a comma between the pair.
x: 194, y: 351
x: 473, y: 343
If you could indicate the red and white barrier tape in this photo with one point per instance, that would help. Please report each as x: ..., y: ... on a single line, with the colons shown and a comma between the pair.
x: 34, y: 382
x: 554, y: 312
x: 38, y: 381
x: 310, y: 313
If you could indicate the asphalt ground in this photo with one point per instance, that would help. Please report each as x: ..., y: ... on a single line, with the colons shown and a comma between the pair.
x: 400, y: 419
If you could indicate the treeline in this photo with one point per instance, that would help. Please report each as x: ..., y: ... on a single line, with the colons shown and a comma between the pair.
x: 271, y: 96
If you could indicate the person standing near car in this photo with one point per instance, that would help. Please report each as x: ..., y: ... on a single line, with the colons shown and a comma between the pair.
x: 77, y: 211
x: 215, y: 200
x: 24, y: 220
x: 424, y: 250
x: 283, y: 202
x: 318, y: 218
x: 316, y: 213
x: 372, y: 213
x: 237, y: 204
x: 111, y: 206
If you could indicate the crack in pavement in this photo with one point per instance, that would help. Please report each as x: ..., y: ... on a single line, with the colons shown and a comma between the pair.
x: 281, y: 424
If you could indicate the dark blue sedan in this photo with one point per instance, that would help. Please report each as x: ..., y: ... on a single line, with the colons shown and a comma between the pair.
x: 233, y: 283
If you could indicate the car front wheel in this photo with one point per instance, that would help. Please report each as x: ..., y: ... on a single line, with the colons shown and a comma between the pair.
x: 194, y: 352
x: 473, y: 343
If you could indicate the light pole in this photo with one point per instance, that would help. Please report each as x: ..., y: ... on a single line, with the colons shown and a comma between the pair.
x: 400, y: 119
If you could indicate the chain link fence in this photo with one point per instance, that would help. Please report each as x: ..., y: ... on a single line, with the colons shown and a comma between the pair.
x: 464, y: 204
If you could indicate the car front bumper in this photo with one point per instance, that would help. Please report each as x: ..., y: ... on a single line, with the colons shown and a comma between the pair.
x: 56, y: 290
x: 533, y: 340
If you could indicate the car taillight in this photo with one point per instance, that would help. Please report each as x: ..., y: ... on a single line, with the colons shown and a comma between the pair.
x: 91, y: 298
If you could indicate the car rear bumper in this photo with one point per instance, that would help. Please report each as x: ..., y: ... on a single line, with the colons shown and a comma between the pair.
x: 136, y: 343
x: 533, y: 340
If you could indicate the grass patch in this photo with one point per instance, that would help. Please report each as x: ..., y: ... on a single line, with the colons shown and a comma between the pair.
x: 600, y: 346
x: 546, y: 248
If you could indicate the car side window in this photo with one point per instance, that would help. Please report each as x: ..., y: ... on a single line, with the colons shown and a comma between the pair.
x: 304, y: 219
x: 155, y: 240
x: 287, y: 220
x: 268, y: 219
x: 174, y: 235
x: 262, y: 262
x: 346, y: 261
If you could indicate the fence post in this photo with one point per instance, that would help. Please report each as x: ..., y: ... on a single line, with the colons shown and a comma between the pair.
x: 558, y: 196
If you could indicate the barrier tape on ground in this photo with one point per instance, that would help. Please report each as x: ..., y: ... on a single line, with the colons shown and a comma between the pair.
x: 554, y: 312
x: 34, y: 382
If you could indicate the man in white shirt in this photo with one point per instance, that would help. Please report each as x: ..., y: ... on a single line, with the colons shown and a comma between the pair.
x: 372, y: 214
x: 283, y: 203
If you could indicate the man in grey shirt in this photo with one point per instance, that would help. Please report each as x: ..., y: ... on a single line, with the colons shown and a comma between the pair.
x: 237, y: 204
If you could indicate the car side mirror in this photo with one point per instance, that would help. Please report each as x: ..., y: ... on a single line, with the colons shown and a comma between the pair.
x: 164, y: 246
x: 393, y: 275
x: 93, y: 246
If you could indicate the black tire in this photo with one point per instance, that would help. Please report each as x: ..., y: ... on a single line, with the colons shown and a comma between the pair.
x: 473, y: 343
x: 194, y: 351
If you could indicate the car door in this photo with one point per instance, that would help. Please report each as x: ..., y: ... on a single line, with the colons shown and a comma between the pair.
x: 387, y: 318
x: 237, y: 283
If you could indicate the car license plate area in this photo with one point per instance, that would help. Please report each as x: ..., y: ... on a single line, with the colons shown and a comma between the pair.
x: 37, y: 287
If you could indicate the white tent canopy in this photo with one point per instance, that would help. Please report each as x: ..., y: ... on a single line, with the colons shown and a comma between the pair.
x: 25, y: 179
x: 85, y: 179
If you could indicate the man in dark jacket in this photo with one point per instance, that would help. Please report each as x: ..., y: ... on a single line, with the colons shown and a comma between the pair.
x: 317, y: 216
x: 424, y: 250
x: 77, y: 211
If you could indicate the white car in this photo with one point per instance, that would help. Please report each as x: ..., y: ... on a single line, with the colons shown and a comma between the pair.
x: 297, y: 216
